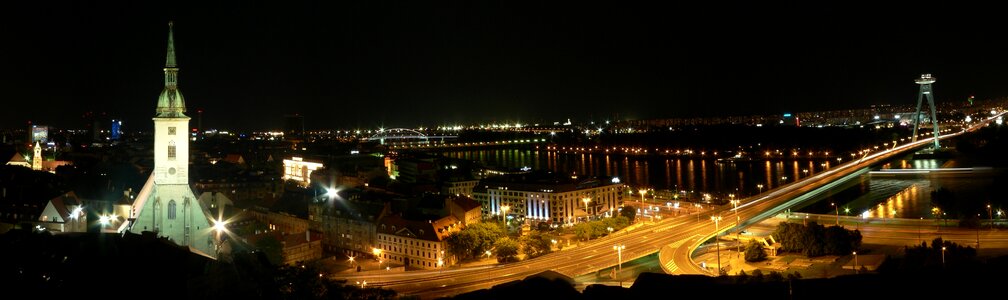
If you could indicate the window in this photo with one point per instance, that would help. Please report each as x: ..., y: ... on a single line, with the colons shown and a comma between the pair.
x: 171, y: 210
x: 171, y: 150
x: 171, y: 130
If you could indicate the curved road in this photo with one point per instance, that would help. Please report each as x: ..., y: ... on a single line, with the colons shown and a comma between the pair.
x: 684, y: 231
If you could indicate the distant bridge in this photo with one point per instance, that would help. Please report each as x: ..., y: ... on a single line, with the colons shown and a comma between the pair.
x: 405, y: 135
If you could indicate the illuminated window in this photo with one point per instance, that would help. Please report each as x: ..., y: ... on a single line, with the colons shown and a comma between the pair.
x: 171, y: 130
x: 171, y: 210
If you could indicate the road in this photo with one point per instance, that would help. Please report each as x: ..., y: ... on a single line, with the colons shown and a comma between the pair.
x: 906, y: 232
x: 683, y: 232
x: 757, y: 208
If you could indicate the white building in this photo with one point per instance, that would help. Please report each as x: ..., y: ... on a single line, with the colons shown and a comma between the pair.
x: 166, y: 205
x: 298, y: 169
x: 415, y: 244
x: 548, y: 197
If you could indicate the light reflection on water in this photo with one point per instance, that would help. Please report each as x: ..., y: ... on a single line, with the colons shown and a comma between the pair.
x: 880, y: 197
x: 702, y: 175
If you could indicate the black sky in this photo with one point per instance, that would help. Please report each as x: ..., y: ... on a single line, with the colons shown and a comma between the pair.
x: 368, y: 63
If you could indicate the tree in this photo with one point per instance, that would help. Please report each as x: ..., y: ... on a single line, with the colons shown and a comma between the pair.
x: 475, y: 239
x: 628, y: 212
x: 754, y: 252
x: 815, y: 239
x: 506, y: 249
x: 270, y: 246
x: 537, y: 244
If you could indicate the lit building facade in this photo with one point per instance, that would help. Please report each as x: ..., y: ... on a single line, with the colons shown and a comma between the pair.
x: 299, y: 170
x: 459, y: 188
x: 415, y: 244
x: 548, y: 197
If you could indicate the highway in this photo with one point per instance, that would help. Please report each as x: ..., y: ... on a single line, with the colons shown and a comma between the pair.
x: 681, y: 235
x: 752, y: 210
x: 908, y: 232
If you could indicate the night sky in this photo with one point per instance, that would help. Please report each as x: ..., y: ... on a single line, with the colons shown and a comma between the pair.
x: 368, y: 64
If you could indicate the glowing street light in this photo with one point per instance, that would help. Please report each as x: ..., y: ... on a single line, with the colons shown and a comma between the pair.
x: 837, y: 209
x: 760, y: 187
x: 738, y: 245
x: 855, y: 262
x: 619, y: 254
x: 504, y: 209
x: 717, y: 220
x: 642, y: 192
x: 586, y: 200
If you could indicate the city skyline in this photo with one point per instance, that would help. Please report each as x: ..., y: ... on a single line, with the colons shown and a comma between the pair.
x: 372, y: 65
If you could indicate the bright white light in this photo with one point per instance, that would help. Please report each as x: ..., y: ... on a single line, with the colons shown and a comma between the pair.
x: 220, y: 226
x: 865, y: 214
x: 330, y: 192
x: 615, y: 180
x: 104, y: 220
x: 969, y: 119
x: 876, y: 117
x: 897, y: 117
x: 76, y: 212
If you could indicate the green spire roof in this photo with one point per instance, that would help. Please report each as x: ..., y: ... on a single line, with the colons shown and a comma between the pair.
x: 171, y: 104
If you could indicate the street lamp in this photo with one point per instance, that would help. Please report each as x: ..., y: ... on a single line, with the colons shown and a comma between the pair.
x: 504, y: 209
x: 610, y: 230
x: 219, y: 227
x: 837, y: 209
x: 760, y: 187
x: 642, y: 192
x: 990, y: 216
x: 586, y: 200
x: 619, y: 254
x: 738, y: 245
x: 717, y: 220
x: 855, y: 262
x: 935, y: 211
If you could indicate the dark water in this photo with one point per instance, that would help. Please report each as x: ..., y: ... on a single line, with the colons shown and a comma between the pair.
x: 658, y: 172
x: 899, y: 196
x: 902, y: 197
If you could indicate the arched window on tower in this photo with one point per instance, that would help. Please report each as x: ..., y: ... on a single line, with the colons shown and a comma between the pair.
x: 171, y: 150
x: 171, y: 210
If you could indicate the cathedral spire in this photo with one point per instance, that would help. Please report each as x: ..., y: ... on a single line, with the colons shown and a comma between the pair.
x: 170, y: 103
x: 170, y: 62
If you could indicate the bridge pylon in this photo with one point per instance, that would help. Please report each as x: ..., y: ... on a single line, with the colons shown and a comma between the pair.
x: 925, y: 82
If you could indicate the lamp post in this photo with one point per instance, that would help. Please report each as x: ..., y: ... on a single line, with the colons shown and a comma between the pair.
x: 919, y: 228
x: 716, y: 220
x: 504, y: 209
x: 738, y: 244
x: 586, y: 200
x: 642, y: 192
x: 935, y: 211
x: 978, y: 233
x: 990, y: 216
x: 855, y: 263
x: 619, y: 254
x: 837, y: 209
x: 760, y: 187
x: 219, y: 227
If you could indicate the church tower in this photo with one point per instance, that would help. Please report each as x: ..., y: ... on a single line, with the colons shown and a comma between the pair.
x: 37, y: 157
x: 166, y: 204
